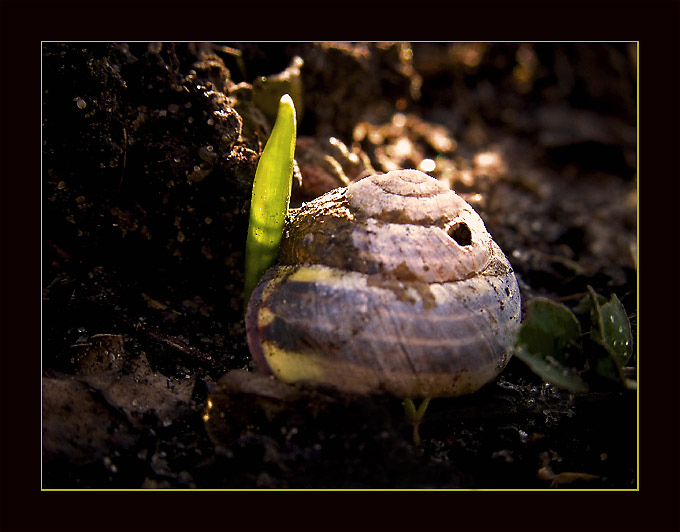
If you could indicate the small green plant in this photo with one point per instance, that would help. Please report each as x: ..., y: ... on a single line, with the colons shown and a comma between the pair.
x: 415, y: 416
x: 271, y: 196
x: 551, y: 343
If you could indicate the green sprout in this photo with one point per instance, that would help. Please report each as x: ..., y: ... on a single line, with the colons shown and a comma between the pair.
x: 415, y: 416
x: 271, y: 196
x: 551, y: 343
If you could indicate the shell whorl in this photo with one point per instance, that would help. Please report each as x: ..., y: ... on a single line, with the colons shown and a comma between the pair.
x: 403, y: 224
x: 390, y: 285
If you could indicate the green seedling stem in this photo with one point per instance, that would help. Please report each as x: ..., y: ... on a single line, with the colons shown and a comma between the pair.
x: 415, y: 417
x: 271, y: 196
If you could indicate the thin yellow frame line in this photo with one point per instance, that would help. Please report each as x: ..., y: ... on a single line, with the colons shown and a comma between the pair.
x: 637, y: 251
x: 41, y: 258
x: 637, y: 488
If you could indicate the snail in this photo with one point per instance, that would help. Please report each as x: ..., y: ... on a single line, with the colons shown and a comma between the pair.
x: 390, y: 285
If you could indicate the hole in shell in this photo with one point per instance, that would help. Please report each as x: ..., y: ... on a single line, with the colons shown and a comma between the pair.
x: 461, y: 233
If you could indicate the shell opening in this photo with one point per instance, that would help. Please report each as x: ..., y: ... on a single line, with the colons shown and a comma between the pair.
x: 461, y: 233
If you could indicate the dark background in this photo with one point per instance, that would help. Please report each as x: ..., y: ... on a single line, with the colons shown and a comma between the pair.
x: 651, y: 509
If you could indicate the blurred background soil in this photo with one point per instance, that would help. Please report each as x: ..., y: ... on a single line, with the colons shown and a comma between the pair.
x: 149, y: 152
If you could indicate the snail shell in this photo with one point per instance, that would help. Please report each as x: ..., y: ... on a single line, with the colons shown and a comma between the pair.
x: 390, y: 285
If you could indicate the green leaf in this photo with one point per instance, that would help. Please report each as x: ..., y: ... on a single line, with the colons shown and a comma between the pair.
x: 271, y: 196
x: 585, y: 305
x: 602, y: 368
x: 267, y: 90
x: 611, y: 328
x: 547, y: 341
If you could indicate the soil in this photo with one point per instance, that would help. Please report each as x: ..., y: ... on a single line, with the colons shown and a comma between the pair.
x: 149, y: 152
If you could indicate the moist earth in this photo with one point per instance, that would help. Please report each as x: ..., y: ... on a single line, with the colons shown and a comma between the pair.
x: 149, y: 152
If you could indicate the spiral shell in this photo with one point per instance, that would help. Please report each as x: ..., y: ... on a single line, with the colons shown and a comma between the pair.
x: 391, y: 285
